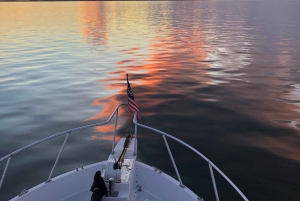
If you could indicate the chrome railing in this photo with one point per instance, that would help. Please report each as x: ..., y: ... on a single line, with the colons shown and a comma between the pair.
x: 68, y: 132
x: 210, y: 164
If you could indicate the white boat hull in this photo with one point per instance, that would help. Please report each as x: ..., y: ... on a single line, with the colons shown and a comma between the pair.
x: 135, y: 181
x: 75, y: 185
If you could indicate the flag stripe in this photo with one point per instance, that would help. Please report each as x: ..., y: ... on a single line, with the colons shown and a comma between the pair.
x: 133, y: 108
x: 131, y: 102
x: 133, y: 105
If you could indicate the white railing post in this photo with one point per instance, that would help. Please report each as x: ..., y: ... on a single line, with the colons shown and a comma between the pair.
x: 214, y: 182
x: 4, y: 172
x: 114, y: 140
x: 135, y: 136
x: 172, y: 159
x: 58, y: 156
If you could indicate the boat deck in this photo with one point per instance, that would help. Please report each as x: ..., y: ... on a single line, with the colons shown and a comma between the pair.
x: 75, y: 185
x: 86, y: 196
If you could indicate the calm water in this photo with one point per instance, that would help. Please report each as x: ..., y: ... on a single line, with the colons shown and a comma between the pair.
x: 223, y: 76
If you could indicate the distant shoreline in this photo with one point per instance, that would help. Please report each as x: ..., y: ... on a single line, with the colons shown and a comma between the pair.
x: 73, y: 0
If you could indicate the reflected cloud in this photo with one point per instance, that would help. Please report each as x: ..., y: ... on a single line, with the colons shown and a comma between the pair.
x: 34, y: 16
x: 185, y: 57
x: 106, y: 128
x: 167, y: 53
x: 107, y: 138
x: 217, y: 75
x: 94, y: 23
x: 285, y: 147
x: 229, y: 49
x: 176, y: 49
x: 109, y: 104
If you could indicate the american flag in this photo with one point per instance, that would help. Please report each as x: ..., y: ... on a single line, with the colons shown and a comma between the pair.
x: 132, y: 104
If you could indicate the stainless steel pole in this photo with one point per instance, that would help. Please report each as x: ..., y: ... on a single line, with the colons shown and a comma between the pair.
x: 214, y: 182
x: 172, y: 159
x: 4, y: 172
x: 135, y: 136
x: 58, y: 156
x: 114, y: 140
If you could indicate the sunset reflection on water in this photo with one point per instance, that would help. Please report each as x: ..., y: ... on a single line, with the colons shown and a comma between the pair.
x: 162, y: 57
x: 222, y: 76
x: 183, y: 59
x: 94, y: 23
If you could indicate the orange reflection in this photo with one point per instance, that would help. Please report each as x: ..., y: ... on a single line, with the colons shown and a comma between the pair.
x: 109, y: 105
x: 183, y: 52
x: 93, y: 20
x: 167, y: 55
x: 282, y: 147
x: 108, y: 138
x: 35, y: 17
x: 176, y: 49
x: 106, y: 128
x: 93, y: 17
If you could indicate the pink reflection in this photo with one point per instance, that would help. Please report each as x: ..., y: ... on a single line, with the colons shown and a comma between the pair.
x: 93, y: 20
x: 166, y: 51
x: 108, y: 138
x: 176, y: 55
x: 106, y: 128
x: 109, y: 106
x: 280, y: 147
x: 166, y: 56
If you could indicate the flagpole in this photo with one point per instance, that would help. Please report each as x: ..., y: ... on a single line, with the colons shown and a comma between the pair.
x: 135, y: 116
x: 135, y: 136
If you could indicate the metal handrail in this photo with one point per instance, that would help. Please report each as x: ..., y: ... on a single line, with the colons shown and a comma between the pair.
x: 9, y: 156
x: 62, y: 133
x: 197, y: 152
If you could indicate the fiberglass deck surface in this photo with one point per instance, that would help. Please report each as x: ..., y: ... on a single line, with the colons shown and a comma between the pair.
x: 145, y: 196
x: 86, y: 196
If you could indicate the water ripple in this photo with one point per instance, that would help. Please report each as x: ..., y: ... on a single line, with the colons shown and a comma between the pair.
x: 222, y: 76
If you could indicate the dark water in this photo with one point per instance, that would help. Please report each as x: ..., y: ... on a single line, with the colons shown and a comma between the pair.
x: 223, y: 76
